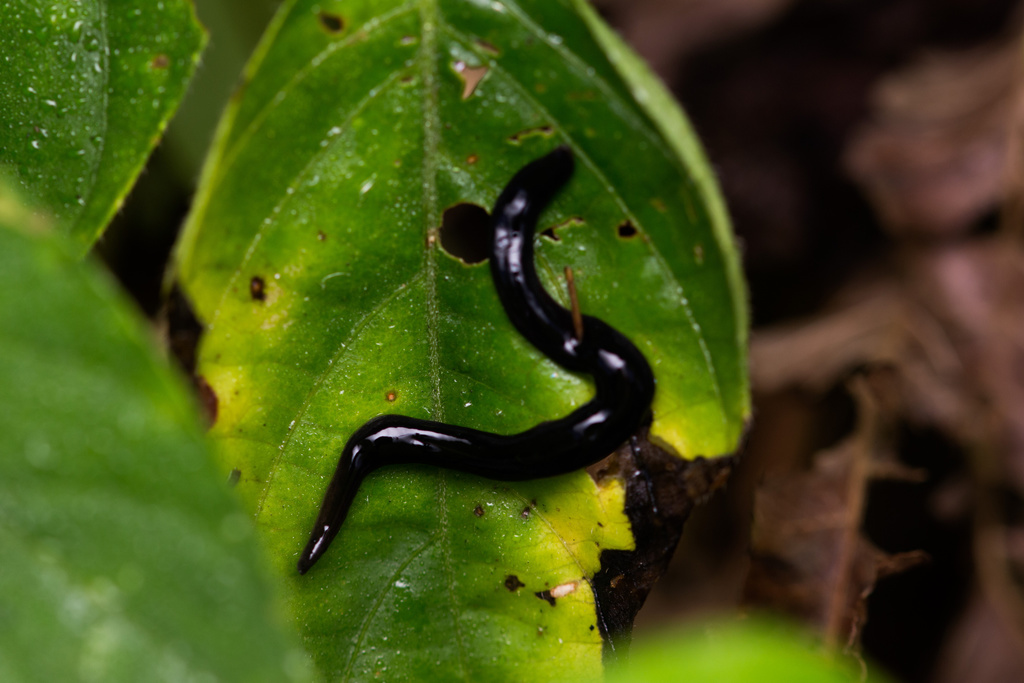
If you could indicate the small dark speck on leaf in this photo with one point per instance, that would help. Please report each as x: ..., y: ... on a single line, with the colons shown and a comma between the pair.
x: 257, y: 288
x: 546, y: 596
x: 465, y: 232
x: 160, y: 61
x: 207, y: 399
x: 233, y: 478
x: 478, y: 511
x: 332, y: 23
x: 391, y: 396
x: 513, y: 583
x: 320, y: 235
x: 591, y: 627
x: 525, y: 514
x: 627, y: 230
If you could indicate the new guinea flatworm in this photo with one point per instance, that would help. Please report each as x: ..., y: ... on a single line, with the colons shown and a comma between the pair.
x: 624, y: 383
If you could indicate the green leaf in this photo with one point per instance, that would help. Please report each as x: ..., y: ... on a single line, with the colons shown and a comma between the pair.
x: 314, y: 257
x: 86, y: 89
x: 124, y: 557
x: 756, y: 649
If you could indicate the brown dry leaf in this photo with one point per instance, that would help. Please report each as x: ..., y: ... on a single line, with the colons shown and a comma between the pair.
x: 809, y: 558
x: 935, y: 156
x: 949, y: 324
x: 943, y: 332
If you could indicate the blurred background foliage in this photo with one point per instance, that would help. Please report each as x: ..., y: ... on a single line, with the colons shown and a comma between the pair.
x: 870, y: 154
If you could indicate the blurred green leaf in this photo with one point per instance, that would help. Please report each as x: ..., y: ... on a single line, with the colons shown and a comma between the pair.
x: 755, y: 649
x: 86, y: 89
x: 314, y: 257
x: 123, y: 556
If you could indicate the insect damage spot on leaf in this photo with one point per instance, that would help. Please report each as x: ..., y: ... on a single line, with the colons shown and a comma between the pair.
x: 160, y: 61
x: 470, y: 75
x: 391, y: 396
x: 207, y: 399
x: 512, y: 583
x: 525, y: 514
x: 257, y: 288
x: 234, y: 477
x: 542, y: 131
x: 552, y: 232
x: 627, y: 230
x: 546, y: 596
x: 332, y: 23
x: 478, y: 511
x: 465, y: 232
x: 561, y: 590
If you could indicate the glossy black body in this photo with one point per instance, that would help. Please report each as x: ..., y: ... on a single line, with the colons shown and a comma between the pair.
x: 622, y: 377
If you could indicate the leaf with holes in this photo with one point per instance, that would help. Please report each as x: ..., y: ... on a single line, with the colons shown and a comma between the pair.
x: 334, y: 257
x: 123, y: 558
x: 85, y: 91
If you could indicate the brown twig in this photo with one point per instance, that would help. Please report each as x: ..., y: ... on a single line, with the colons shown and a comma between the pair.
x: 856, y: 496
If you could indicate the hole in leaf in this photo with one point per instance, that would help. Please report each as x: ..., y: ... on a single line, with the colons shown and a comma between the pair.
x: 627, y: 230
x: 257, y: 288
x: 546, y: 595
x: 542, y: 131
x: 471, y: 77
x: 551, y: 233
x: 513, y: 583
x: 332, y: 23
x: 466, y: 232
